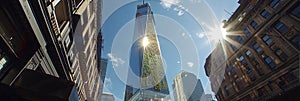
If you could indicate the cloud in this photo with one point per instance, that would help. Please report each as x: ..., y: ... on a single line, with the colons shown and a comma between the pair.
x: 116, y: 62
x: 169, y: 3
x: 196, y: 1
x: 200, y: 35
x: 178, y: 8
x: 190, y: 64
x: 180, y: 13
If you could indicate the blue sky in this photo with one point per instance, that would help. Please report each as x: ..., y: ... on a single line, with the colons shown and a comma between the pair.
x: 187, y: 31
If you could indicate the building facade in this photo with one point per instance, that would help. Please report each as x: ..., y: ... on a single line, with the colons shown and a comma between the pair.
x: 187, y: 87
x: 40, y: 35
x: 102, y: 69
x: 146, y: 77
x: 107, y: 97
x: 87, y: 14
x: 207, y: 97
x: 33, y: 52
x: 262, y: 52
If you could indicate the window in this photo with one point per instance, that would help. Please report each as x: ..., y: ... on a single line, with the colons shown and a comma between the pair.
x: 250, y: 7
x: 296, y: 41
x: 240, y: 40
x: 248, y: 53
x: 242, y: 59
x: 267, y: 40
x: 247, y: 32
x: 281, y: 54
x: 232, y: 70
x: 248, y: 70
x: 67, y: 41
x: 71, y: 56
x: 244, y: 14
x: 240, y: 18
x: 296, y: 11
x: 254, y: 24
x: 274, y: 3
x: 257, y: 48
x: 279, y: 26
x: 289, y: 77
x: 226, y: 90
x: 2, y: 62
x: 233, y: 47
x: 270, y: 62
x: 265, y: 14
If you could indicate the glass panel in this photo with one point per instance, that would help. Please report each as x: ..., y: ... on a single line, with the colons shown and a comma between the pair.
x: 2, y: 62
x: 240, y: 40
x: 267, y: 40
x: 233, y: 47
x: 247, y: 32
x: 274, y: 3
x: 279, y: 26
x: 250, y: 7
x: 257, y: 48
x: 242, y: 60
x: 296, y: 41
x: 296, y: 11
x: 281, y: 54
x: 254, y: 24
x: 248, y: 53
x: 265, y: 14
x: 270, y: 62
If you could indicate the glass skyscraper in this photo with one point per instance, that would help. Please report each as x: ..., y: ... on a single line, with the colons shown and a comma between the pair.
x: 146, y: 79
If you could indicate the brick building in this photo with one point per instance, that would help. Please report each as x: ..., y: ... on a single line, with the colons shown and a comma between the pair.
x: 261, y: 52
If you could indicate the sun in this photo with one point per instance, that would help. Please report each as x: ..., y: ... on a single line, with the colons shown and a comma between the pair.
x: 145, y: 41
x: 223, y: 32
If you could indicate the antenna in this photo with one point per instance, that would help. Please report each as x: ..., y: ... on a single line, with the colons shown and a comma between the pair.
x: 227, y: 12
x: 143, y: 2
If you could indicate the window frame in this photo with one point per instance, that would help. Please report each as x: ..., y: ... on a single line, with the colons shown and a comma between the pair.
x: 292, y: 12
x: 248, y: 53
x: 233, y: 47
x: 254, y: 24
x: 247, y: 32
x: 274, y: 4
x: 265, y: 14
x: 271, y: 64
x: 240, y: 39
x: 281, y: 54
x: 281, y: 27
x: 256, y: 48
x: 267, y: 40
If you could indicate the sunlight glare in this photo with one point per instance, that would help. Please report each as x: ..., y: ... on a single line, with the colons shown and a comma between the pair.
x: 145, y: 41
x: 224, y: 32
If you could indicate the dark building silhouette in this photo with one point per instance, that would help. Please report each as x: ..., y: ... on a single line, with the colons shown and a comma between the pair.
x: 38, y: 54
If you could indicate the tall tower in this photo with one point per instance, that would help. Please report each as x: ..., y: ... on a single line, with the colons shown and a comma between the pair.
x: 187, y: 87
x: 146, y: 77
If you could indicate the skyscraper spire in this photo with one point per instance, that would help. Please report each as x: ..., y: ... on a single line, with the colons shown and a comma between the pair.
x: 143, y: 2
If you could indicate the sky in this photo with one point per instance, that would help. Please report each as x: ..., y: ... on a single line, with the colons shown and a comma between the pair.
x: 187, y: 31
